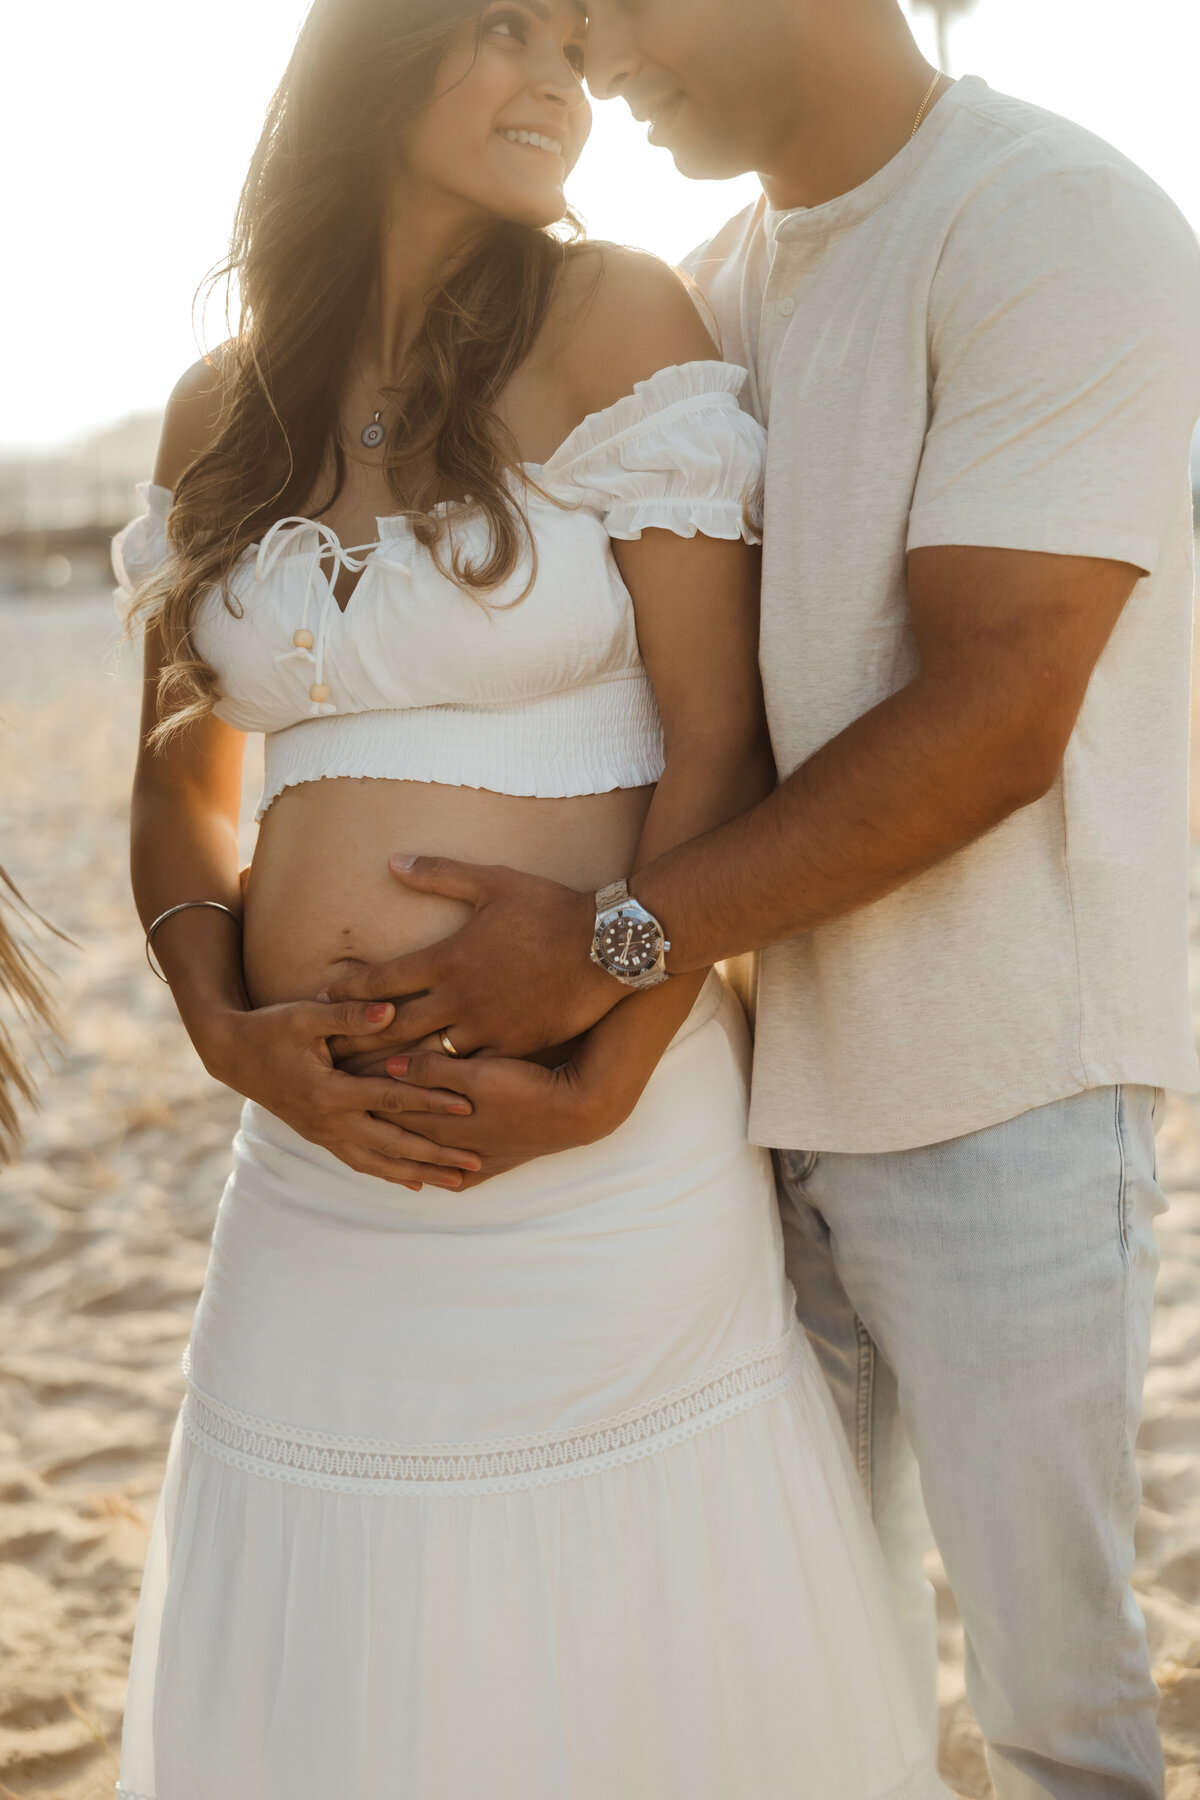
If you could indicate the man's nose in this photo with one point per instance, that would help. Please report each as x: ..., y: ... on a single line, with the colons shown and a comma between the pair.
x: 610, y: 55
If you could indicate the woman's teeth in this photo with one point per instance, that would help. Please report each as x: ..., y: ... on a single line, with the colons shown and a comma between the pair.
x: 535, y: 140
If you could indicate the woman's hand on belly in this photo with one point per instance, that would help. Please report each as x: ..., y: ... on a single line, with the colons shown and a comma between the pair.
x: 279, y: 1057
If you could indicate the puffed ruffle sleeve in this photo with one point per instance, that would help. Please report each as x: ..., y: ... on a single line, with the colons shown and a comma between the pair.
x: 678, y: 454
x: 141, y: 547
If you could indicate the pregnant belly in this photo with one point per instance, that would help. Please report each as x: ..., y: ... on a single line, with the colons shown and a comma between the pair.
x: 320, y: 900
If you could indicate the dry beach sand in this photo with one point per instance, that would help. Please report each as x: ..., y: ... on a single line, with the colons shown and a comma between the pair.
x: 104, y: 1230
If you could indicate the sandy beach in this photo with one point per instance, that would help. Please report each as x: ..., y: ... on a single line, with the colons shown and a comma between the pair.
x: 104, y: 1229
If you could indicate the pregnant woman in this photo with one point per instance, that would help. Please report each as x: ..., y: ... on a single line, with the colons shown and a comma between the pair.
x: 511, y: 1483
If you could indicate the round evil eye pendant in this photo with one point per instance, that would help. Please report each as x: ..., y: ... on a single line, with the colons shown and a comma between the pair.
x: 373, y: 434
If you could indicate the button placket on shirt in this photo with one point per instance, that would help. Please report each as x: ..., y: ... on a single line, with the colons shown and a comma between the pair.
x: 779, y: 307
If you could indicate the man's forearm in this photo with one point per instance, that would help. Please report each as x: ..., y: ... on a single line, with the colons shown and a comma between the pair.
x: 622, y: 1050
x: 1007, y: 641
x: 897, y: 792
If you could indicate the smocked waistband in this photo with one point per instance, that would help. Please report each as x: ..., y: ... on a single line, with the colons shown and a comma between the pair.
x: 588, y: 740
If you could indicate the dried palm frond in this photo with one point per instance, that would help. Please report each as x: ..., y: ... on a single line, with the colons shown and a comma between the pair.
x: 24, y: 984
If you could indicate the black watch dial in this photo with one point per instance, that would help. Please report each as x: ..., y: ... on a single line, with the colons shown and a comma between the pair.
x: 629, y: 945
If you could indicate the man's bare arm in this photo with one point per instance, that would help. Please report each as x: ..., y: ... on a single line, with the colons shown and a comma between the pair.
x: 1007, y: 642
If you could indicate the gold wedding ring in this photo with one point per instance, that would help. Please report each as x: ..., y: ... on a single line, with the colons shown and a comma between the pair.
x: 447, y: 1046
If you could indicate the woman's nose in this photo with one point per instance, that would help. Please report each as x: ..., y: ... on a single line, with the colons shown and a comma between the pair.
x: 561, y: 85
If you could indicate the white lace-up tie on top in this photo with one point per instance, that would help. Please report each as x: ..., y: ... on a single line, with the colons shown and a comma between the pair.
x: 308, y: 648
x: 419, y: 680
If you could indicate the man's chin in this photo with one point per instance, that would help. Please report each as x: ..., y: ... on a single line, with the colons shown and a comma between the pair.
x: 701, y: 160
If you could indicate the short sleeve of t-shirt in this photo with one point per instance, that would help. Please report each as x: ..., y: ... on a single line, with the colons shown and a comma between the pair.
x: 1065, y: 366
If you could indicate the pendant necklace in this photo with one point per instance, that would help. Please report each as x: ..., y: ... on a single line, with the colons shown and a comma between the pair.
x: 374, y: 434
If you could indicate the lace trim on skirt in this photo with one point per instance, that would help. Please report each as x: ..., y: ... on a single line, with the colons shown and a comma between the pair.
x: 370, y: 1466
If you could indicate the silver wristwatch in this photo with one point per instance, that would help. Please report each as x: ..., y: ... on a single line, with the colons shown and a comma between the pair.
x: 629, y: 941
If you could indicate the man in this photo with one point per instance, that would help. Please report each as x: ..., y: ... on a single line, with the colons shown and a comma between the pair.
x: 973, y: 331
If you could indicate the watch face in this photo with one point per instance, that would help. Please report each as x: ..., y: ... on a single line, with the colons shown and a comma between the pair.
x: 629, y: 945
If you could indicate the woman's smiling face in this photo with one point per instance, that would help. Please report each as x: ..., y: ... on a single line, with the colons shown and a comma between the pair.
x: 509, y: 116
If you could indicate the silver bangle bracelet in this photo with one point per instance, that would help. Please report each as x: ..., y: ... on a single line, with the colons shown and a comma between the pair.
x: 184, y: 906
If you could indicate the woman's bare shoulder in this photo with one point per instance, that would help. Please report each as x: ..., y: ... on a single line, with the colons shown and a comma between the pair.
x: 192, y: 415
x: 624, y: 314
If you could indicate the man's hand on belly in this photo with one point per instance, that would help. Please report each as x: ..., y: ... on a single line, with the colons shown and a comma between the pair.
x: 466, y: 984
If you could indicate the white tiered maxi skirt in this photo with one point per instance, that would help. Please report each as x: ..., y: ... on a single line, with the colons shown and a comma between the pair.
x: 533, y: 1493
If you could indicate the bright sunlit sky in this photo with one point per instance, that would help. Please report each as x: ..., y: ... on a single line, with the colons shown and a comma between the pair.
x: 126, y: 128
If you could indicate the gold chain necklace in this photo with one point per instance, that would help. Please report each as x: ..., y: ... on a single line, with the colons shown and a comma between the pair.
x: 925, y: 106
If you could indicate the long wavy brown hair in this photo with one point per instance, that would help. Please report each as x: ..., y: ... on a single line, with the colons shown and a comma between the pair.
x: 304, y: 254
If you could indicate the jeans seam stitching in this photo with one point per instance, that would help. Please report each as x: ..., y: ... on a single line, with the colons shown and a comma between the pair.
x: 1080, y: 1033
x: 866, y: 1387
x: 1122, y: 1184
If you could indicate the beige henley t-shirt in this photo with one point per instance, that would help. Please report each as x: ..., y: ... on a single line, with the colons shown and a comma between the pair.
x: 994, y: 341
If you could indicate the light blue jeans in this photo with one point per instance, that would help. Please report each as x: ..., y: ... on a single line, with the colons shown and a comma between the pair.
x: 982, y: 1309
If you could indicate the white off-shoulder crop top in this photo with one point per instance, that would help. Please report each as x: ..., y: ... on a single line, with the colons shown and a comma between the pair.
x: 418, y: 680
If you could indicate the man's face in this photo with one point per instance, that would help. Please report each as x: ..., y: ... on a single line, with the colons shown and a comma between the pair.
x: 715, y: 78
